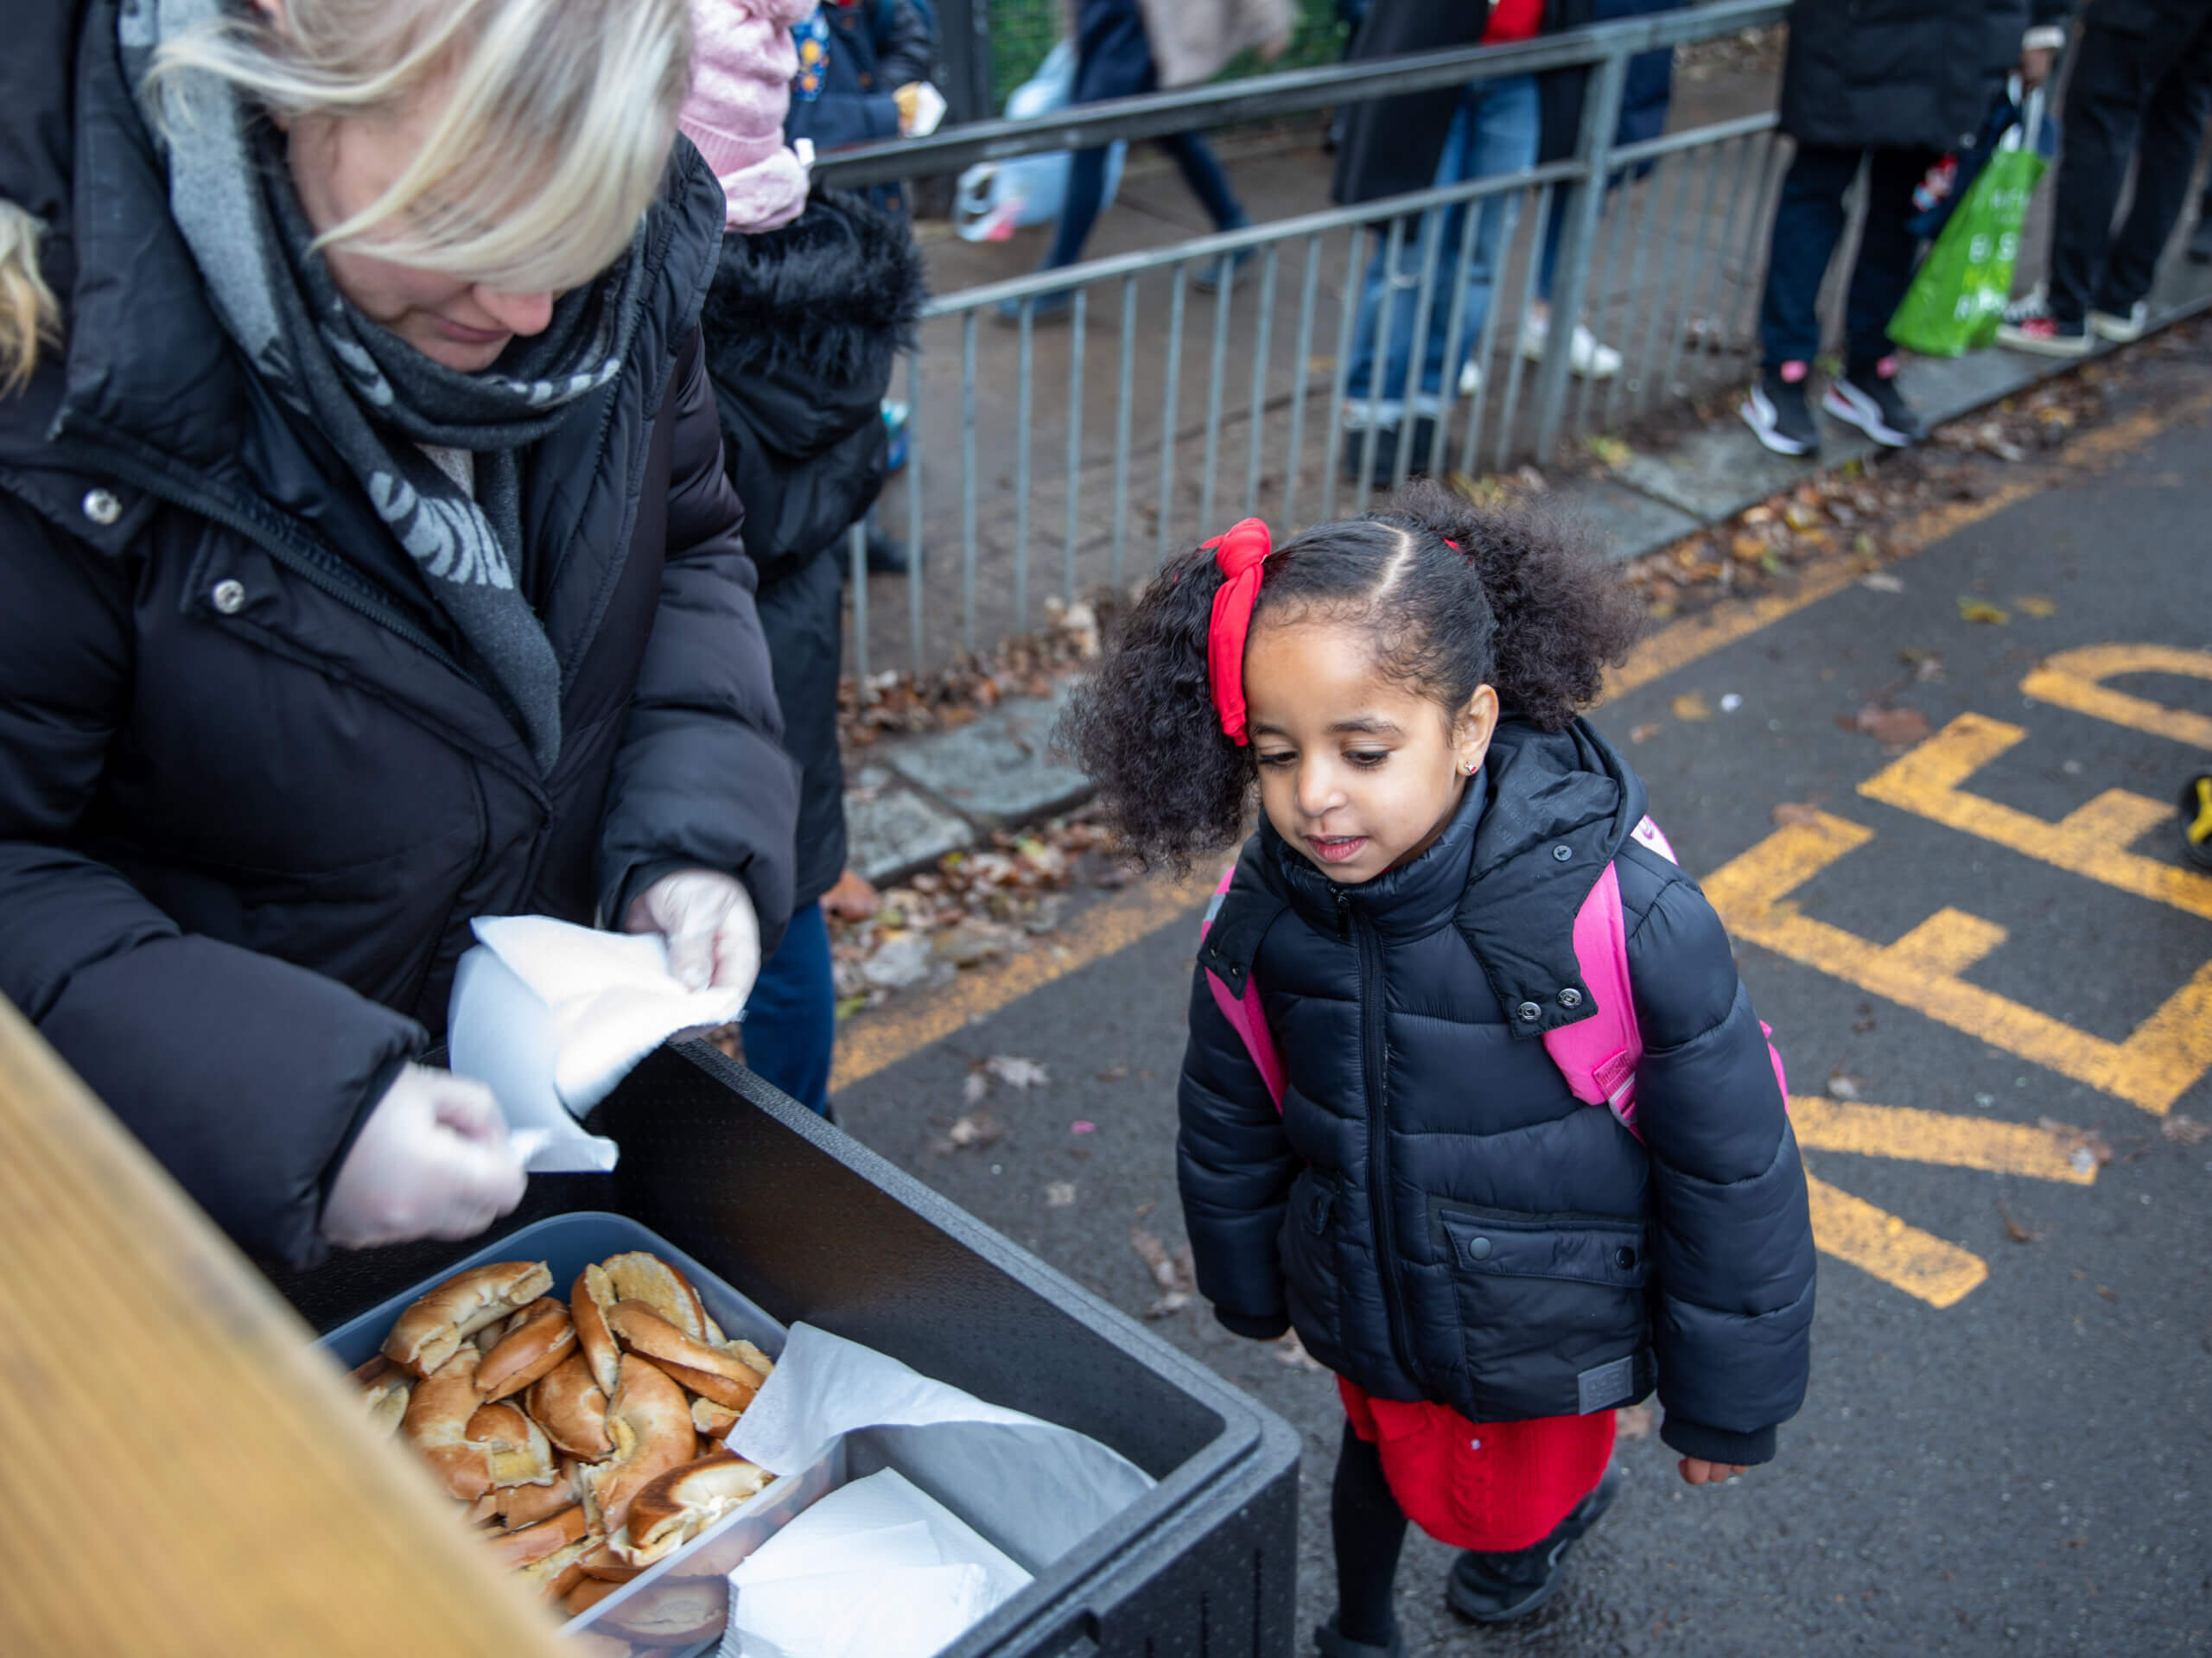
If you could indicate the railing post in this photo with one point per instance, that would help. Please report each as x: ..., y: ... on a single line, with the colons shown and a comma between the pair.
x: 963, y: 32
x: 1584, y: 204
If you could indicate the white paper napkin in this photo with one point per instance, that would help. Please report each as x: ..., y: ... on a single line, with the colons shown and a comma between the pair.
x: 551, y: 1017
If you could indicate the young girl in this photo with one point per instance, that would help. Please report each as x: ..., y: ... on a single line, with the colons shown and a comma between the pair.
x: 1488, y: 1265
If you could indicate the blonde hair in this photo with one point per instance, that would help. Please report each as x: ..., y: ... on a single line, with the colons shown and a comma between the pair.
x: 550, y: 144
x: 29, y: 317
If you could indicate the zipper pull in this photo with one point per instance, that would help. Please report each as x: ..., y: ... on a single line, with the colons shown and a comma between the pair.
x: 1343, y: 912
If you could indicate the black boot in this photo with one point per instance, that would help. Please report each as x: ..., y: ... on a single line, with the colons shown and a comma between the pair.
x: 1331, y: 1644
x: 885, y: 556
x: 1498, y: 1588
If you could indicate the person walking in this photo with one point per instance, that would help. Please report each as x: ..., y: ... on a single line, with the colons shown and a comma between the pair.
x: 811, y: 301
x: 2140, y: 84
x: 1889, y: 85
x: 1117, y: 55
x: 1398, y: 145
x: 366, y: 566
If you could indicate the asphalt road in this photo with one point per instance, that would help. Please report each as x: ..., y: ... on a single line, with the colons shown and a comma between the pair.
x: 2008, y: 1446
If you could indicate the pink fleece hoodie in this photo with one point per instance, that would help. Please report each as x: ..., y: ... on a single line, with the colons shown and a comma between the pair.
x: 742, y: 63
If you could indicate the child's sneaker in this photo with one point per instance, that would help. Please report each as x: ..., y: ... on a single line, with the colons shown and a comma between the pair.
x: 1868, y: 398
x: 1331, y: 1644
x: 1777, y: 413
x: 2121, y: 328
x: 1498, y: 1588
x: 2196, y: 820
x: 2029, y: 326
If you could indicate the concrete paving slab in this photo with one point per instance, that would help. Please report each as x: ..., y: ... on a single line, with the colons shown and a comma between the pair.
x: 1000, y: 769
x: 1715, y: 474
x: 1628, y: 522
x: 892, y: 830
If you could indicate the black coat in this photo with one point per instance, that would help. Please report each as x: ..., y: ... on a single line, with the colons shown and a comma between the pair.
x: 1917, y: 75
x: 250, y: 794
x: 1391, y: 145
x: 1419, y: 1116
x: 803, y: 327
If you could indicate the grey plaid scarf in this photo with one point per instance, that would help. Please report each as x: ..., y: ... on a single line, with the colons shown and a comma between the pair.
x: 377, y: 400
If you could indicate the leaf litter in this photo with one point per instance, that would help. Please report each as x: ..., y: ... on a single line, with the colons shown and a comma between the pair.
x: 1175, y: 1273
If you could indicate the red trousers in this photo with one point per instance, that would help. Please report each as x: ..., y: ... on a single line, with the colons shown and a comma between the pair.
x: 1489, y: 1486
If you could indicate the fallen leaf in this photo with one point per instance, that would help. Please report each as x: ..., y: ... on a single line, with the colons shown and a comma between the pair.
x: 1749, y: 548
x: 1980, y: 610
x: 1730, y: 703
x: 1633, y: 1423
x: 1796, y: 814
x: 1176, y: 1273
x: 1017, y: 1073
x: 2013, y: 1229
x: 1865, y: 1022
x: 2185, y: 1130
x: 1691, y: 705
x: 2035, y: 605
x: 1644, y: 733
x: 1611, y: 451
x: 976, y: 1130
x: 974, y: 1087
x: 1892, y: 728
x: 2107, y: 1292
x: 1842, y: 1085
x: 1113, y: 1073
x: 1059, y: 1194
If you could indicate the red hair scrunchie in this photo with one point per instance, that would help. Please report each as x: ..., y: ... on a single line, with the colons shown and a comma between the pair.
x: 1240, y: 552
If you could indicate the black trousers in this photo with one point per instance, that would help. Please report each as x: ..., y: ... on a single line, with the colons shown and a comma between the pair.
x: 2143, y: 92
x: 1809, y: 222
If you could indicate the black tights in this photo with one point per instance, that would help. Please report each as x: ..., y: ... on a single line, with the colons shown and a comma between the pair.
x: 1369, y: 1528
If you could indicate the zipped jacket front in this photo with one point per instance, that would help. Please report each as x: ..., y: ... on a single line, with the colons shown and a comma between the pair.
x: 1432, y: 1209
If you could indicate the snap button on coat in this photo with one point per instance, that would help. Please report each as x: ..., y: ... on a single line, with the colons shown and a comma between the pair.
x: 1570, y: 997
x: 1479, y: 1248
x: 1529, y: 1010
x: 229, y: 597
x: 1562, y: 852
x: 101, y: 506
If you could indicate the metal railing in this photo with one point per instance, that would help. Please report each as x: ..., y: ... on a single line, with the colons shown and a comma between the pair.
x: 1055, y: 467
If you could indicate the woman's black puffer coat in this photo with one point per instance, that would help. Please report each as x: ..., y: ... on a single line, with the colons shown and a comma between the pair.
x: 251, y: 792
x: 803, y: 327
x: 1906, y: 74
x: 1432, y: 1211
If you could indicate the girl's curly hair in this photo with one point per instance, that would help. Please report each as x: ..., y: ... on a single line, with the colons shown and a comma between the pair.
x: 1454, y: 596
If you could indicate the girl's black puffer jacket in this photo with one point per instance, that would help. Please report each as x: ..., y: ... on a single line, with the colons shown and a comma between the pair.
x: 1434, y: 1212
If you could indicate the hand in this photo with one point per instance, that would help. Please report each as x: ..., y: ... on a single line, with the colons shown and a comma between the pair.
x: 714, y: 937
x: 1698, y: 1471
x: 432, y: 1161
x: 908, y: 98
x: 2035, y: 67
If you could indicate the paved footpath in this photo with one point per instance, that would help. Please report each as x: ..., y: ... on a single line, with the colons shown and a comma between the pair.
x: 2008, y: 1443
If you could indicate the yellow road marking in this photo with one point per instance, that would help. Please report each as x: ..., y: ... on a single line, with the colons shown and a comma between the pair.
x: 2075, y: 679
x: 1903, y: 1133
x: 2092, y: 840
x: 1904, y: 1256
x: 2159, y: 1062
x: 871, y: 1044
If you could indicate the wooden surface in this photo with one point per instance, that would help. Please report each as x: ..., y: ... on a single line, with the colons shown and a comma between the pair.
x: 182, y: 1472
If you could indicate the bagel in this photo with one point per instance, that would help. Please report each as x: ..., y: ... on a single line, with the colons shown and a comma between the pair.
x: 536, y: 1340
x: 604, y: 1563
x: 517, y: 1451
x: 567, y: 1403
x: 674, y: 1613
x: 562, y: 1571
x: 637, y: 1276
x: 386, y: 1391
x: 712, y: 1374
x: 588, y: 1299
x: 588, y: 1594
x: 440, y: 1321
x: 437, y: 1422
x: 672, y: 1510
x: 534, y: 1543
x: 649, y: 1421
x: 712, y: 1419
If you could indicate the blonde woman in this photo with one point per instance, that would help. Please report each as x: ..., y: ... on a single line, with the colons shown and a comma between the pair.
x: 366, y: 565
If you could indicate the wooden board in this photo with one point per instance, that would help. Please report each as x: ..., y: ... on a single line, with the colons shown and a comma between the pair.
x: 182, y: 1471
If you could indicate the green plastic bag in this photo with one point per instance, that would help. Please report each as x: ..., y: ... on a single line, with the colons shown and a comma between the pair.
x: 1958, y: 297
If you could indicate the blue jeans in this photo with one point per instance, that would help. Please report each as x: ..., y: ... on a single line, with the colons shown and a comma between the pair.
x: 1809, y: 222
x: 1493, y: 131
x: 790, y: 1020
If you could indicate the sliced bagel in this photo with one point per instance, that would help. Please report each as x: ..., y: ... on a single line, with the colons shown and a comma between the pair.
x: 588, y: 1299
x: 723, y: 1377
x: 531, y: 1544
x: 569, y: 1403
x: 537, y: 1339
x: 676, y: 1507
x: 424, y: 1336
x: 641, y: 1277
x: 516, y: 1450
x: 649, y: 1421
x: 436, y: 1421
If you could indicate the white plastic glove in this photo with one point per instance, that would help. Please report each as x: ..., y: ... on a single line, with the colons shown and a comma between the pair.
x: 714, y: 935
x: 432, y: 1161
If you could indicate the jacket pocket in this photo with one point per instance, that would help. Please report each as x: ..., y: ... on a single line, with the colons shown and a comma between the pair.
x: 1553, y: 1309
x: 1312, y: 1279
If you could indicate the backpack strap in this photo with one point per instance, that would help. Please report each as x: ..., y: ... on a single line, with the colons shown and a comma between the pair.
x: 1598, y: 1055
x: 1237, y: 994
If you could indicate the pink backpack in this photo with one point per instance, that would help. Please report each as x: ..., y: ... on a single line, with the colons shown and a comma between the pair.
x: 1598, y: 1056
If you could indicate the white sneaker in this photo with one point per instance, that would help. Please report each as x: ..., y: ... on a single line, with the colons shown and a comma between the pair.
x: 1587, y: 356
x: 1470, y: 379
x: 2121, y: 329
